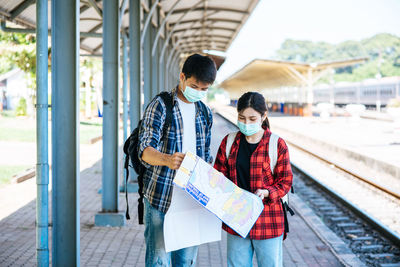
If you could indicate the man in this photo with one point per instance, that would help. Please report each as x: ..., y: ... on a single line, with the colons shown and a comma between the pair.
x: 190, y: 130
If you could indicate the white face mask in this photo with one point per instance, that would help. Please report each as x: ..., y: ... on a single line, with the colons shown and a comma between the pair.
x: 193, y: 95
x: 249, y: 129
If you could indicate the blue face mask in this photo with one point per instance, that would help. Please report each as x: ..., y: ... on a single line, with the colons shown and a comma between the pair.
x: 193, y: 95
x: 249, y: 129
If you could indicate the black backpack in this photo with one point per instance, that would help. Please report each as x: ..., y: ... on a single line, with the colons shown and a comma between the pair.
x: 131, y: 146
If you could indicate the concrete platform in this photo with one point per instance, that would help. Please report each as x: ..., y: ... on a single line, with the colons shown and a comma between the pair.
x: 124, y: 246
x: 371, y: 148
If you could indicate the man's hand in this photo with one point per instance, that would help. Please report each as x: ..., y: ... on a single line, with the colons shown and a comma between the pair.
x: 175, y: 160
x: 262, y: 193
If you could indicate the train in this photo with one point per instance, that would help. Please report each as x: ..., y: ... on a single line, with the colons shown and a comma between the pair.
x: 371, y: 93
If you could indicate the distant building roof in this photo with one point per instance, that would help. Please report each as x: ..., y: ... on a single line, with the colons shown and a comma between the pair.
x: 262, y: 74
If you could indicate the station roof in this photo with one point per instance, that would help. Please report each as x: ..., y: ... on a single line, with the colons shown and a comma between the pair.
x: 193, y: 25
x: 261, y: 74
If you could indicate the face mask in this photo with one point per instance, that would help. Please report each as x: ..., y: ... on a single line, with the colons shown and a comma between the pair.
x: 249, y: 129
x: 193, y: 95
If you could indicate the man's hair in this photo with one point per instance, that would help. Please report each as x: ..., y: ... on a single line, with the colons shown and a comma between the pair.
x: 202, y: 68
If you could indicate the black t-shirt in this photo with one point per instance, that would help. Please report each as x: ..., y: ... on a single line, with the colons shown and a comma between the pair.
x: 243, y: 163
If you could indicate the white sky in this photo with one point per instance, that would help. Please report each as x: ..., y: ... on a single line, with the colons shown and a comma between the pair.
x: 333, y: 21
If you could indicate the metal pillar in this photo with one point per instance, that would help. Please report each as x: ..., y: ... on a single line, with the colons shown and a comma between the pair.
x: 125, y: 86
x: 161, y: 69
x: 65, y: 143
x: 109, y: 216
x: 135, y: 89
x: 134, y: 63
x: 154, y: 63
x: 147, y: 67
x: 42, y: 166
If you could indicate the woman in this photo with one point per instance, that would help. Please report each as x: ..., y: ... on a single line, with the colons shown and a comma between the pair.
x: 248, y: 167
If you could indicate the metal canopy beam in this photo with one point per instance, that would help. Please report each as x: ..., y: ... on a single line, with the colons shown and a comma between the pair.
x: 20, y: 8
x: 207, y: 36
x: 162, y: 26
x: 86, y: 7
x: 177, y: 23
x: 93, y: 30
x: 183, y: 10
x: 146, y: 23
x: 206, y: 28
x: 96, y: 7
x: 209, y: 19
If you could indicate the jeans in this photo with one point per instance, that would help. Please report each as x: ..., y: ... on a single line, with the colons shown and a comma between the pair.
x: 241, y: 250
x: 154, y: 237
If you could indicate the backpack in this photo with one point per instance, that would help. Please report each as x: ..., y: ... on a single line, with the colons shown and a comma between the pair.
x: 273, y: 156
x: 131, y: 146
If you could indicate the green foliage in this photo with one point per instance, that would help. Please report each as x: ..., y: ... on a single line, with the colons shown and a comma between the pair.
x: 383, y: 51
x: 17, y: 38
x: 21, y: 108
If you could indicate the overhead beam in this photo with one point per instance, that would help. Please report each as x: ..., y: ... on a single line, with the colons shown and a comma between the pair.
x: 162, y: 26
x: 207, y: 35
x: 93, y: 30
x: 183, y: 10
x: 209, y: 19
x: 96, y: 7
x: 20, y: 8
x: 86, y: 7
x: 207, y: 28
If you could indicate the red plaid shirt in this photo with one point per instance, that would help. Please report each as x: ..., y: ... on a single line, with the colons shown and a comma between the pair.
x: 270, y: 224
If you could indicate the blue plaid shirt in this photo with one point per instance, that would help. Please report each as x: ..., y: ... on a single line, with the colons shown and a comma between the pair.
x: 157, y: 180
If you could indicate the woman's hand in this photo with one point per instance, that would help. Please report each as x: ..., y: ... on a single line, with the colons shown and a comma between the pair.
x: 262, y: 193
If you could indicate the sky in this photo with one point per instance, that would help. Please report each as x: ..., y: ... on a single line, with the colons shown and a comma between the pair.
x: 333, y: 21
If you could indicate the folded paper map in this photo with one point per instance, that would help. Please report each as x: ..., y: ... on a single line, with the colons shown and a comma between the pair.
x: 236, y: 207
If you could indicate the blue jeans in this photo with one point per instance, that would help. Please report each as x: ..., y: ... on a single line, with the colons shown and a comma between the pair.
x: 241, y: 250
x: 154, y: 237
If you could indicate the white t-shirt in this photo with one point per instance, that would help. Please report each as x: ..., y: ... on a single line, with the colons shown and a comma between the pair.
x: 188, y: 111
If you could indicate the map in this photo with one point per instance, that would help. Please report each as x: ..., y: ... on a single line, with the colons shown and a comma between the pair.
x: 237, y: 208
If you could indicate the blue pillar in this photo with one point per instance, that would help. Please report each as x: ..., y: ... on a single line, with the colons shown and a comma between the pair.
x: 65, y: 143
x: 154, y: 62
x: 135, y: 55
x: 110, y: 216
x: 125, y: 85
x: 161, y: 74
x: 42, y: 166
x: 147, y: 62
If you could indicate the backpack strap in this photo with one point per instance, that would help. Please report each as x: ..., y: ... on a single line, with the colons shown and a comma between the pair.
x: 168, y: 101
x: 273, y: 156
x: 204, y: 110
x: 229, y: 143
x: 273, y: 151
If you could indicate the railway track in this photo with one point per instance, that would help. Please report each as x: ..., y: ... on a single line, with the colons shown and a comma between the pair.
x: 364, y: 214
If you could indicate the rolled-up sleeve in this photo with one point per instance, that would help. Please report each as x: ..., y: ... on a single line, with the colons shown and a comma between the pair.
x: 151, y: 127
x: 282, y: 173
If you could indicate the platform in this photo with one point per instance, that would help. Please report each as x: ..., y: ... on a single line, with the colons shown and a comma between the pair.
x: 124, y: 246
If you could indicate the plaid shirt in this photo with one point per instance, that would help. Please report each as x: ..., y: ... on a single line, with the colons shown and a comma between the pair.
x: 271, y: 221
x: 157, y: 180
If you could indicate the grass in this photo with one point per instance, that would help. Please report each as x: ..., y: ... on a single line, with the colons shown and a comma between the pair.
x: 22, y: 129
x: 7, y: 172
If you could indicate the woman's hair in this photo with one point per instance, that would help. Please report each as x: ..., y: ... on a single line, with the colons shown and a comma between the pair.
x: 255, y: 101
